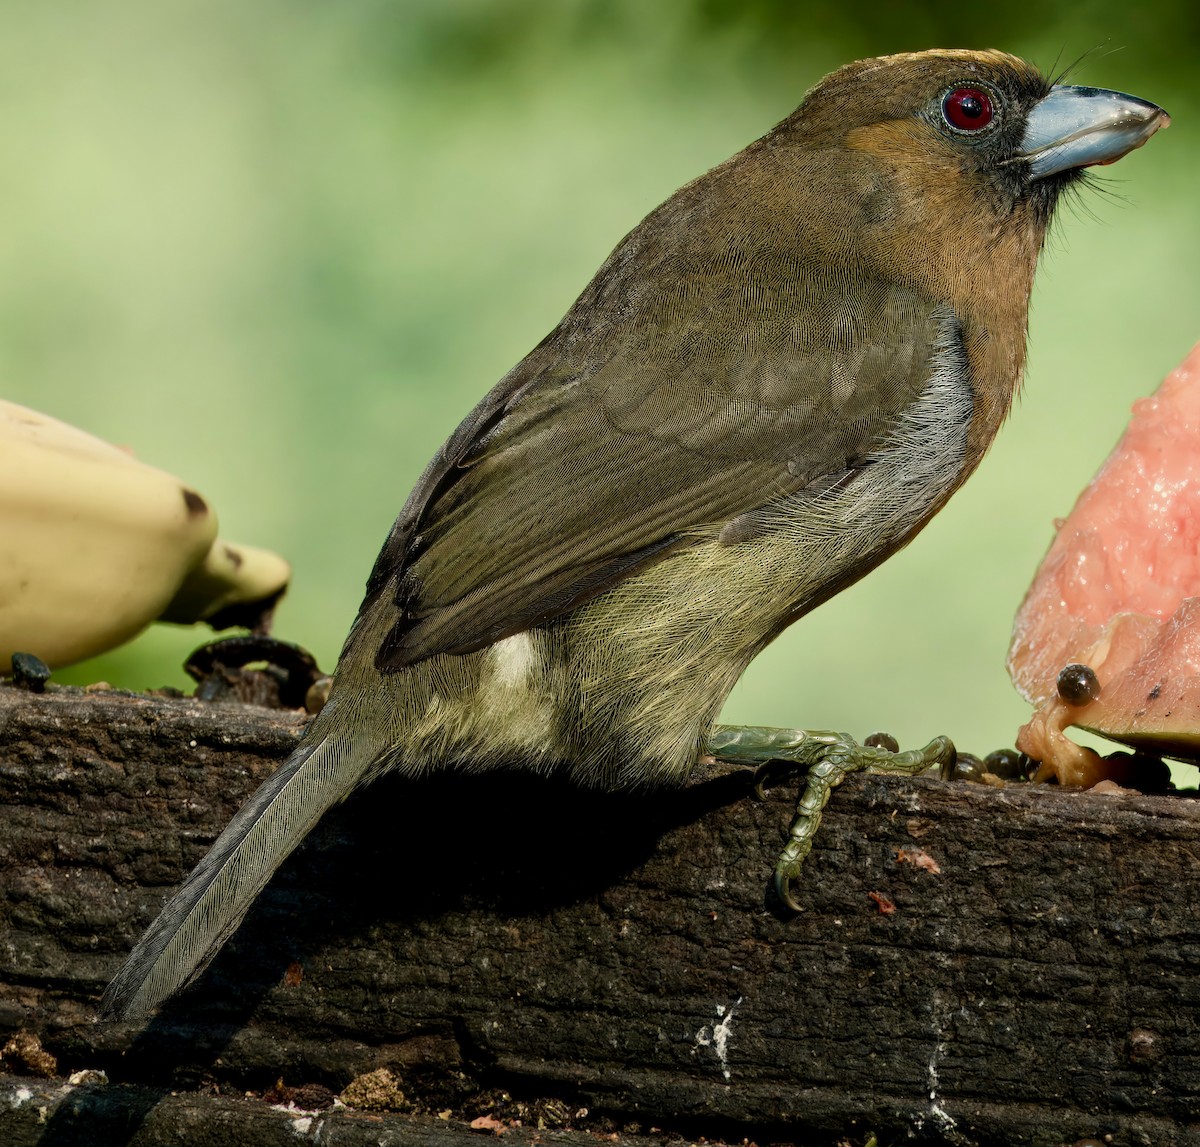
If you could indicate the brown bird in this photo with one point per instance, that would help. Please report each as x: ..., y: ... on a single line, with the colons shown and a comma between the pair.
x: 770, y: 386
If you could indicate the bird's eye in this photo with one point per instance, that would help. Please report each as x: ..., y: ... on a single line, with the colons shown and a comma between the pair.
x: 967, y: 109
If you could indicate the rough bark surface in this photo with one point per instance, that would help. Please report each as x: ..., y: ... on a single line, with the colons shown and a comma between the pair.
x: 58, y: 1114
x: 616, y: 952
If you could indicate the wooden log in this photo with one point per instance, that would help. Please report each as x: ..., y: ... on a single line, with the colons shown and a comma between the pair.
x: 1034, y: 984
x: 92, y: 1114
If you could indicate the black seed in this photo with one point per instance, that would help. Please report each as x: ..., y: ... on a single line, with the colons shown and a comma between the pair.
x: 967, y: 767
x: 1078, y: 685
x: 882, y: 741
x: 1006, y: 764
x: 1150, y: 773
x: 30, y: 672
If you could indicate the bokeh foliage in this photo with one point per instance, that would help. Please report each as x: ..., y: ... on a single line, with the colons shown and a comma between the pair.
x: 281, y: 247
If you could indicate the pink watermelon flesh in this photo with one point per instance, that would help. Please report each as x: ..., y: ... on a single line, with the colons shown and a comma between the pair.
x: 1119, y: 590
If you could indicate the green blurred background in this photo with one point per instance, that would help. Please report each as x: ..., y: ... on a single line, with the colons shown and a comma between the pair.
x: 281, y: 248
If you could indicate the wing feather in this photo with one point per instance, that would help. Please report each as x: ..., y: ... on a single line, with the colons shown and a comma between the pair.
x: 641, y: 425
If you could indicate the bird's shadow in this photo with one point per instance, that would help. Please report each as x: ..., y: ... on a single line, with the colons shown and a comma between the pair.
x: 402, y: 852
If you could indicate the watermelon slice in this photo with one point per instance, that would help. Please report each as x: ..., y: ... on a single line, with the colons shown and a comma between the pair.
x: 1119, y: 592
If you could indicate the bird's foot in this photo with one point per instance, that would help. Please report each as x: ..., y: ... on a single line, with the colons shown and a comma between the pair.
x: 828, y: 758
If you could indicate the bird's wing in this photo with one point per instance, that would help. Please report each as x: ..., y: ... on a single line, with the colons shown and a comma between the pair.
x: 586, y: 464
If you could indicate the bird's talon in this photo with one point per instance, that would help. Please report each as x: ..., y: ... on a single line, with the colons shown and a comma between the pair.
x: 839, y: 756
x: 768, y: 774
x: 783, y: 889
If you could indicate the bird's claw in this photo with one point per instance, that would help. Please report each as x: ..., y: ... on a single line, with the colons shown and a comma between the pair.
x: 828, y: 758
x: 772, y: 773
x: 840, y: 757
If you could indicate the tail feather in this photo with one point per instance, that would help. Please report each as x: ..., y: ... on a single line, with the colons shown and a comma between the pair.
x: 210, y: 905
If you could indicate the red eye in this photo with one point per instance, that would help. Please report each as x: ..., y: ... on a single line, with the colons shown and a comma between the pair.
x: 968, y: 109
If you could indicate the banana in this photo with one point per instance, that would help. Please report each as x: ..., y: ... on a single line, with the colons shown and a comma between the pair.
x: 95, y: 545
x: 233, y: 585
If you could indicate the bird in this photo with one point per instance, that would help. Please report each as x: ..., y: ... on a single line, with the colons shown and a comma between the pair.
x: 771, y: 385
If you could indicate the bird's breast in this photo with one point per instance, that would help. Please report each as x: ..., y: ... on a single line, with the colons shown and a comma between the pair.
x: 842, y: 520
x: 925, y: 456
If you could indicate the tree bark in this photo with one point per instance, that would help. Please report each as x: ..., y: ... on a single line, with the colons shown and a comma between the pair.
x: 617, y: 953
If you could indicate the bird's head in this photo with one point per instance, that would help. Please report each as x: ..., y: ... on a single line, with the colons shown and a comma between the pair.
x: 938, y: 170
x: 984, y: 119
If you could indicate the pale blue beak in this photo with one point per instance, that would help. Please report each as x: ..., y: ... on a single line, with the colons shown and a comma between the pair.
x: 1084, y: 127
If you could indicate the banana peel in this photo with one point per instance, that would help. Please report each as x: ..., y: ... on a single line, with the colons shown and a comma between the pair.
x: 95, y: 545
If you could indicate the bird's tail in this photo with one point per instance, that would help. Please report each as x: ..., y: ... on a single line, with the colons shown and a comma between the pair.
x: 210, y: 905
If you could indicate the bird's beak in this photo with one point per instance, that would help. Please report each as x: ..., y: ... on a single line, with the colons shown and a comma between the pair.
x: 1083, y: 127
